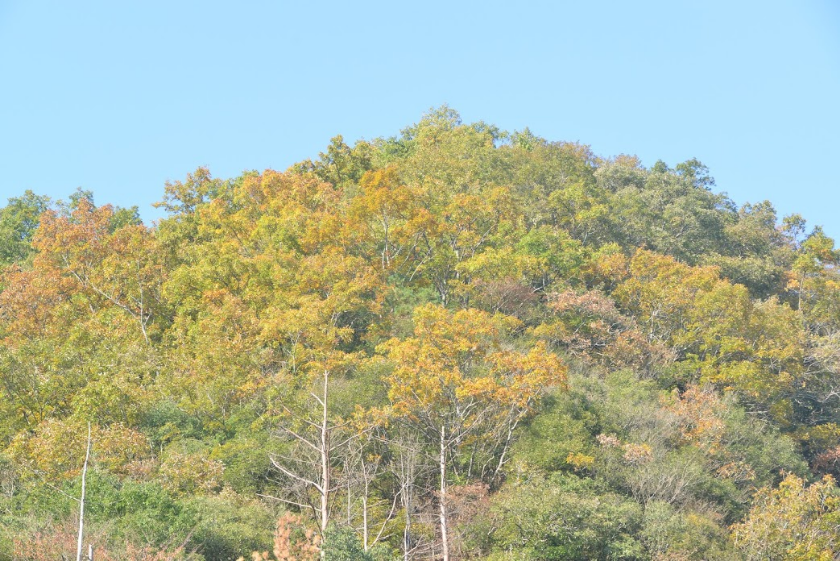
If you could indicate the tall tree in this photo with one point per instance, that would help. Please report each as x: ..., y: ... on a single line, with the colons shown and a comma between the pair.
x: 18, y: 222
x: 455, y: 383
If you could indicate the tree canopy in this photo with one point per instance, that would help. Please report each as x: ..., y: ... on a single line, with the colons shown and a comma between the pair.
x: 453, y: 343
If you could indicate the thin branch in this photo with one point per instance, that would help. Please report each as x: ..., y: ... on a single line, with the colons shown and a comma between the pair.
x: 287, y: 501
x: 300, y: 438
x: 387, y: 518
x: 297, y: 477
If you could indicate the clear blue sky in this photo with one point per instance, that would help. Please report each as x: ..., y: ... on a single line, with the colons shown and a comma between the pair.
x: 119, y: 96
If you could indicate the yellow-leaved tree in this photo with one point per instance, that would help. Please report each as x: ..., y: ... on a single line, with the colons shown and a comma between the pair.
x: 794, y: 521
x: 462, y: 386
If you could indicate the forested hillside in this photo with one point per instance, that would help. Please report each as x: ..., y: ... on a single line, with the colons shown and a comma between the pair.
x: 456, y: 343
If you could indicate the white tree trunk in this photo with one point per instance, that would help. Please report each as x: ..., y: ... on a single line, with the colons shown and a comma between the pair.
x: 325, y: 461
x: 82, y: 501
x: 443, y: 529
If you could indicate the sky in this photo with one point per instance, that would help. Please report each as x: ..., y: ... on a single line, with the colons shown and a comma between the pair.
x: 120, y: 97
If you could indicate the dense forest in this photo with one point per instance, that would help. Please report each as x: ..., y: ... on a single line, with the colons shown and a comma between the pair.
x: 454, y: 343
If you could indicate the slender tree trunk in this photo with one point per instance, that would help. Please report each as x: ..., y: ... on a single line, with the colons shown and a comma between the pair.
x: 349, y: 502
x: 325, y: 462
x: 406, y: 535
x: 82, y: 501
x: 405, y: 471
x: 406, y: 497
x: 443, y: 532
x: 365, y: 494
x: 365, y: 532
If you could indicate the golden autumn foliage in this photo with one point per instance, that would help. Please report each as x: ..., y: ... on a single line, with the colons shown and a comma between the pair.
x: 409, y: 343
x: 458, y: 357
x: 795, y: 521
